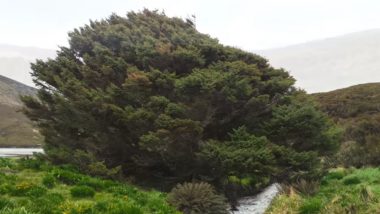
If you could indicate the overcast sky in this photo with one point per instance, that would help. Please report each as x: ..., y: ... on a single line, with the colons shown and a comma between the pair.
x: 248, y: 24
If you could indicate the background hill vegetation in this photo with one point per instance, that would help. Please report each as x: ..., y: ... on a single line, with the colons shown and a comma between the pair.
x: 16, y: 130
x: 357, y: 110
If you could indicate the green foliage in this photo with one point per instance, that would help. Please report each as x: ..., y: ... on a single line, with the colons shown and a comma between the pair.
x: 21, y: 193
x: 82, y: 192
x: 48, y: 181
x: 66, y: 177
x: 197, y: 198
x: 307, y: 188
x: 356, y: 110
x: 151, y: 97
x: 5, y: 162
x: 302, y: 128
x: 311, y: 206
x: 357, y: 192
x: 351, y: 180
x: 27, y: 189
x: 5, y: 202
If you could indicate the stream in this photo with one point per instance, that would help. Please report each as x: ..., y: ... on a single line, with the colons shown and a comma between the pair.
x: 259, y: 203
x: 16, y: 152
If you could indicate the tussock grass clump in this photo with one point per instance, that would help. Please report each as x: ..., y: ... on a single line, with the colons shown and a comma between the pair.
x: 66, y: 176
x: 351, y: 180
x: 49, y: 181
x: 312, y: 205
x: 82, y: 192
x: 307, y: 188
x: 197, y: 198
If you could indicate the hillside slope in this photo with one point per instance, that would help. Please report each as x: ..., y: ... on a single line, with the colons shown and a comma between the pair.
x: 351, y: 103
x: 333, y: 63
x: 357, y: 110
x: 15, y: 129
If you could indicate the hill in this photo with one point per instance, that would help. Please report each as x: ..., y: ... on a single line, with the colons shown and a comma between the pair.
x: 351, y: 103
x: 16, y: 129
x: 15, y: 61
x: 333, y: 63
x: 357, y: 110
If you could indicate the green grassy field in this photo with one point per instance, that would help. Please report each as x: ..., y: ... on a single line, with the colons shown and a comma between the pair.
x: 32, y: 186
x: 340, y: 191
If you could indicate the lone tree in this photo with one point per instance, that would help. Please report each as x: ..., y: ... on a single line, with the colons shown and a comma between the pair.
x: 165, y: 103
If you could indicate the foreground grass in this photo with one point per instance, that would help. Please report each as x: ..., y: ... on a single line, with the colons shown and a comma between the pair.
x: 31, y: 186
x: 341, y: 191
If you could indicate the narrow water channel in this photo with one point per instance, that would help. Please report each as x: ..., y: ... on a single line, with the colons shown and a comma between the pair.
x: 259, y: 203
x: 14, y: 152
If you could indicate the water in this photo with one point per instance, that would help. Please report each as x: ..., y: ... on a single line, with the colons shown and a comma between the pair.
x: 259, y: 203
x: 15, y: 152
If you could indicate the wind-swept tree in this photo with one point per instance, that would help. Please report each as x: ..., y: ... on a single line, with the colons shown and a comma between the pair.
x: 151, y: 94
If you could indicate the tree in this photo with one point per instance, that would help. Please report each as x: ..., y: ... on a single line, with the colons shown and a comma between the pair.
x: 149, y: 93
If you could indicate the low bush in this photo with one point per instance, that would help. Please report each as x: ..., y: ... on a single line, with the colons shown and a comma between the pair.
x: 31, y: 163
x: 339, y: 174
x: 67, y: 177
x: 197, y: 198
x: 36, y: 191
x: 27, y: 189
x: 6, y: 162
x: 351, y: 180
x: 48, y: 181
x: 307, y: 188
x: 311, y: 206
x: 5, y: 202
x: 47, y: 204
x: 82, y: 192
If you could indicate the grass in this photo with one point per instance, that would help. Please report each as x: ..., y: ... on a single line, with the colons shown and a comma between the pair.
x: 341, y: 191
x: 31, y: 187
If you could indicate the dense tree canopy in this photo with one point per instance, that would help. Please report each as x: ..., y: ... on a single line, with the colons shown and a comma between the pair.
x: 166, y: 103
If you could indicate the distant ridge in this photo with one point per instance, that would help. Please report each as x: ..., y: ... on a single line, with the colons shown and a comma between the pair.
x: 10, y: 90
x: 15, y: 61
x: 16, y: 130
x: 351, y: 103
x: 332, y: 63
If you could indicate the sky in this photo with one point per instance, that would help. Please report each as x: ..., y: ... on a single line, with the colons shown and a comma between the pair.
x: 247, y: 24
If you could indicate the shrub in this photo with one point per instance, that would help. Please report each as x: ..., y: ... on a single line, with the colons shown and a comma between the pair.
x: 311, y: 206
x: 31, y: 163
x: 6, y: 162
x: 339, y: 174
x: 351, y: 180
x: 122, y: 190
x: 82, y: 192
x: 197, y: 198
x: 36, y: 191
x: 22, y: 188
x: 47, y: 204
x: 100, y: 169
x: 307, y: 187
x: 80, y: 207
x: 48, y: 181
x: 67, y: 177
x: 5, y: 202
